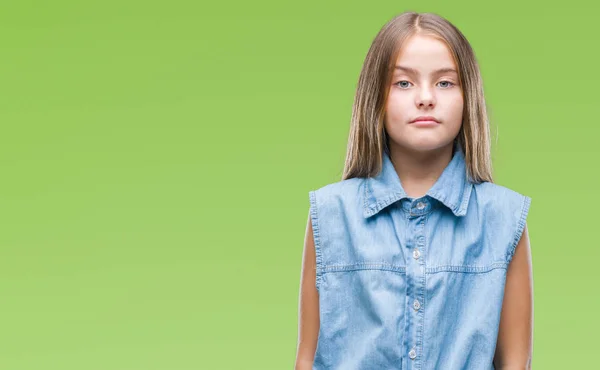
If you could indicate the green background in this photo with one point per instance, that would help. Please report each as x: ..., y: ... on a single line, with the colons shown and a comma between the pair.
x: 157, y: 156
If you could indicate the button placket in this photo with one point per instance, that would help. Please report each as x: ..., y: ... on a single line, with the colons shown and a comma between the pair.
x: 412, y: 354
x: 415, y: 271
x: 418, y: 208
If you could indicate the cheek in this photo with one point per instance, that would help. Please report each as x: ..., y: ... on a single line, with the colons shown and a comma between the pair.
x: 396, y: 107
x: 456, y: 115
x: 454, y: 108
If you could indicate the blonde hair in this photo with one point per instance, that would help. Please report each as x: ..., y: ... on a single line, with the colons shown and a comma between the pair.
x: 367, y: 138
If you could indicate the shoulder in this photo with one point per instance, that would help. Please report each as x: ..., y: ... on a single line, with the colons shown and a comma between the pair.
x: 340, y: 191
x: 333, y: 202
x: 504, y: 209
x: 491, y: 189
x: 498, y: 197
x: 331, y: 206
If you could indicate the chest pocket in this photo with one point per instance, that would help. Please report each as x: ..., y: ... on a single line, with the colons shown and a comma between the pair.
x: 361, y: 313
x: 462, y: 245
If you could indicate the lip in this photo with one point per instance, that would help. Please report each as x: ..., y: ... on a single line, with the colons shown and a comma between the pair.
x: 425, y: 120
x: 425, y: 123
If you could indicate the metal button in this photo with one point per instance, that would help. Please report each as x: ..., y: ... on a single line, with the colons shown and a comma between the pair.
x: 416, y: 254
x: 416, y: 305
x: 412, y: 354
x: 420, y: 205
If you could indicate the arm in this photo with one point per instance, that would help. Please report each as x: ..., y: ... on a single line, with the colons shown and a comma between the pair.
x: 515, y: 337
x: 308, y: 325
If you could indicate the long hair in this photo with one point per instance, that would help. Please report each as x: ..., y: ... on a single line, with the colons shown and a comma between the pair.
x: 368, y: 140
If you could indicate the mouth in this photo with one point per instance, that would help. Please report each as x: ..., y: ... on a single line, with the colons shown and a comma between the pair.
x: 425, y: 120
x: 424, y: 123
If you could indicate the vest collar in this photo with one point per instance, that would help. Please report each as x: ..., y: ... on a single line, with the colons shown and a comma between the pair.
x: 452, y: 188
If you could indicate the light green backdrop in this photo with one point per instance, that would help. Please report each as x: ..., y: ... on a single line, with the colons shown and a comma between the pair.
x: 156, y: 160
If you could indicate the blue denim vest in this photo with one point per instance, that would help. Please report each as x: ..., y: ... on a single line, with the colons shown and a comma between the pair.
x: 409, y: 283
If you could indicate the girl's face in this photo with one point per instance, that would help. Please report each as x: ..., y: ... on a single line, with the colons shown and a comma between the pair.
x: 425, y: 83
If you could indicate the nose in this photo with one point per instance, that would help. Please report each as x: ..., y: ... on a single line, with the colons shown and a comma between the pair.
x: 425, y: 98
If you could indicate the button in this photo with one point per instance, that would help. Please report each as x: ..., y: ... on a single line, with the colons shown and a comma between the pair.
x: 412, y: 354
x: 420, y: 205
x: 416, y: 305
x: 416, y: 254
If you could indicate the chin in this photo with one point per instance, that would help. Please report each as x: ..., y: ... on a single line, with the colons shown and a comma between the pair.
x: 427, y: 145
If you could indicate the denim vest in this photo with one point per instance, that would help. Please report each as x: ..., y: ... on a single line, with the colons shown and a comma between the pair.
x: 409, y: 283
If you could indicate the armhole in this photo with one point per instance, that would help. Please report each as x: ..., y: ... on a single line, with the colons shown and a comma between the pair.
x: 316, y: 236
x: 525, y: 204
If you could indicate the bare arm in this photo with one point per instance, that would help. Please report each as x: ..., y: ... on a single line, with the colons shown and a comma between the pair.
x: 514, y: 348
x: 308, y: 307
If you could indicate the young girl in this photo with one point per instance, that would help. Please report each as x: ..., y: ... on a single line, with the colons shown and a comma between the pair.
x: 416, y: 259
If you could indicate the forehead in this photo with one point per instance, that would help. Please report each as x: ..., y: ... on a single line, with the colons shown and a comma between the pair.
x: 425, y: 54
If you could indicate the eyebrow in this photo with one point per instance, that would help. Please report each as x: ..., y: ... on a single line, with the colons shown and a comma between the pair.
x: 414, y: 71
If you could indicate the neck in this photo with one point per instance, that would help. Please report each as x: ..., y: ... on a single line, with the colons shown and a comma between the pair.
x: 417, y: 170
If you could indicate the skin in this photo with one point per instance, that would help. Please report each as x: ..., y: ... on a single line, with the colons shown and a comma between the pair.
x: 419, y: 155
x: 514, y: 348
x: 308, y: 325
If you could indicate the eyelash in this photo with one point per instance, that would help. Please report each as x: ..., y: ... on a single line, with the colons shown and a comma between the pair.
x: 451, y: 83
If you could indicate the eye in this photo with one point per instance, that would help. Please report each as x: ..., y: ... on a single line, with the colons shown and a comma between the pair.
x: 399, y: 82
x: 451, y: 83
